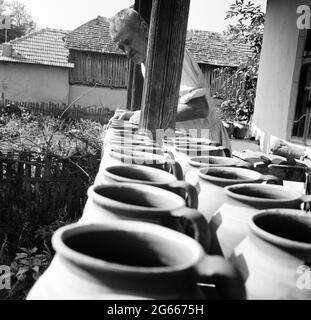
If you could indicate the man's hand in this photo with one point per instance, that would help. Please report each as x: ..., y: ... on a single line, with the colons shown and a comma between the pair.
x: 194, y: 109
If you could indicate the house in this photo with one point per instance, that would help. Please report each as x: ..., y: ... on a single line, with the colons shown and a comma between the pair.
x: 101, y: 70
x: 35, y: 67
x: 284, y: 79
x: 85, y: 67
x: 98, y: 61
x: 212, y: 50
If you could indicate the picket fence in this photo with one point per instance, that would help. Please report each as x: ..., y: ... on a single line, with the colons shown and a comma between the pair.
x: 76, y: 112
x: 37, y: 187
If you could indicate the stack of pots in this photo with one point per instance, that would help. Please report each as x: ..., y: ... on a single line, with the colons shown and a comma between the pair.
x: 140, y: 235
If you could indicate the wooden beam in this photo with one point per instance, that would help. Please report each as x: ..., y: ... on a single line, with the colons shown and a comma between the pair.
x: 166, y: 45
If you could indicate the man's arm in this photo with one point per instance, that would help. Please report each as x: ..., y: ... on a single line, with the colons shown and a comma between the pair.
x: 194, y: 109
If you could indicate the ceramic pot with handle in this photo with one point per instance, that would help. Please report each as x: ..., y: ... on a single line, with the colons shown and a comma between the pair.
x: 228, y: 209
x: 140, y: 202
x: 217, y: 161
x: 162, y: 161
x: 151, y: 176
x: 275, y: 257
x: 184, y: 152
x: 132, y: 260
x: 265, y: 196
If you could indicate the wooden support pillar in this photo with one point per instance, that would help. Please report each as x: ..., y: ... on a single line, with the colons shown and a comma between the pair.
x: 166, y: 45
x: 136, y: 80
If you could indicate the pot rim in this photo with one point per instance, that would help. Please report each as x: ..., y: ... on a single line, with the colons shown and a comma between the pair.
x: 107, y: 202
x: 142, y: 227
x: 241, y: 197
x: 169, y: 177
x: 205, y: 176
x: 274, y: 239
x: 192, y: 161
x: 138, y: 156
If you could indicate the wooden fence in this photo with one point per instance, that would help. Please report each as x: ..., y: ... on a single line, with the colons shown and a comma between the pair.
x: 76, y: 112
x: 222, y: 81
x: 35, y: 187
x: 106, y: 70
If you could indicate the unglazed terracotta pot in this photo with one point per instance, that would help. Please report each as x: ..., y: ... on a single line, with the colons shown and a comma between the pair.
x: 184, y: 152
x: 217, y: 161
x: 275, y: 257
x: 140, y: 202
x: 132, y: 260
x: 225, y: 176
x: 160, y: 161
x: 228, y: 216
x: 264, y: 196
x: 150, y: 176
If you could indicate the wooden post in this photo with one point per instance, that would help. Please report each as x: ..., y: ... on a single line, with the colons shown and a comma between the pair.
x: 164, y: 62
x: 136, y: 80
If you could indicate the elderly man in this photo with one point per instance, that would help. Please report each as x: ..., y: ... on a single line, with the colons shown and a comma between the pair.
x: 196, y: 112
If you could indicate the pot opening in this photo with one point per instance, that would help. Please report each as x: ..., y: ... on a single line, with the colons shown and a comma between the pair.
x: 213, y: 160
x: 228, y: 174
x: 291, y: 227
x: 128, y: 248
x: 139, y: 197
x: 141, y: 174
x: 261, y: 191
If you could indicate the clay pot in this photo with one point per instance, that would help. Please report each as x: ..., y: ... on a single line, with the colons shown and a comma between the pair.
x: 183, y: 152
x: 264, y: 196
x: 132, y: 260
x: 159, y: 161
x: 140, y: 147
x: 276, y: 255
x: 150, y: 176
x: 140, y: 202
x: 228, y: 213
x: 189, y: 140
x: 217, y: 161
x: 225, y: 176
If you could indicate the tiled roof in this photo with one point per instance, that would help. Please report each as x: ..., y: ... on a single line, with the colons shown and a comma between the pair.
x: 92, y: 36
x: 213, y: 48
x: 45, y: 46
x: 207, y: 47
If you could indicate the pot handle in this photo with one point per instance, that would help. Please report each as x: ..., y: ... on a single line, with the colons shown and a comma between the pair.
x: 228, y: 281
x: 175, y: 168
x: 191, y: 195
x: 170, y: 153
x: 194, y: 225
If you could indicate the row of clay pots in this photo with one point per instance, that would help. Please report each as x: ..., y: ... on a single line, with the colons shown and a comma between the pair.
x: 134, y: 238
x: 270, y: 247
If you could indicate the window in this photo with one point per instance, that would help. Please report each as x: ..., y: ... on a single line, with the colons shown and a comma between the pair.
x: 302, y: 122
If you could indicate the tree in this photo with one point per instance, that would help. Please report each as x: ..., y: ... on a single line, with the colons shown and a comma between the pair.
x: 21, y: 21
x: 239, y: 88
x: 250, y: 25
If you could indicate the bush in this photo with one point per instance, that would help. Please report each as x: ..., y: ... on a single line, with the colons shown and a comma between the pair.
x: 67, y: 146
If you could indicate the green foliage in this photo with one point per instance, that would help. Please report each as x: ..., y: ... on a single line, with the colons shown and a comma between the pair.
x: 25, y: 241
x: 239, y: 88
x: 21, y: 21
x: 29, y: 255
x: 64, y: 138
x: 250, y: 24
